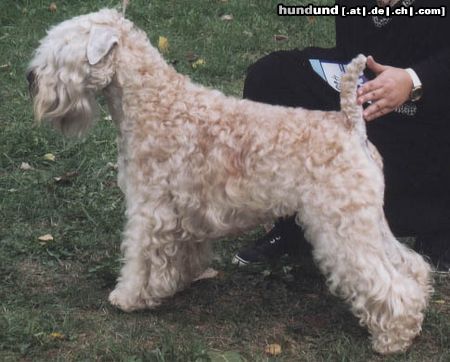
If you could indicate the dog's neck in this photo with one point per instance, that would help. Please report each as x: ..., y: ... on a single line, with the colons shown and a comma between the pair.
x: 144, y: 67
x: 113, y: 95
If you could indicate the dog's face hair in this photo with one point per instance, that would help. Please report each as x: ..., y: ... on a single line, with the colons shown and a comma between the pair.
x: 73, y: 61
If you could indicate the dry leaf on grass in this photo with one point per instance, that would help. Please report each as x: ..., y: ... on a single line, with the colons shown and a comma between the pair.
x: 207, y: 274
x: 44, y: 239
x: 66, y: 178
x: 280, y: 37
x: 273, y: 349
x: 163, y: 44
x: 227, y: 356
x: 191, y: 56
x: 49, y: 157
x: 52, y: 8
x: 226, y: 17
x: 198, y: 63
x: 26, y: 166
x: 57, y: 335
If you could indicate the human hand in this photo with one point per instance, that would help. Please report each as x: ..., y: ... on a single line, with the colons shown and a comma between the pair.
x: 389, y: 90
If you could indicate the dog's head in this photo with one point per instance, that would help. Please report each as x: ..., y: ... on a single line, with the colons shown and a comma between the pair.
x: 72, y: 63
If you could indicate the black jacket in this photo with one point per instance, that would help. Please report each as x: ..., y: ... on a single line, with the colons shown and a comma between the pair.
x: 419, y: 42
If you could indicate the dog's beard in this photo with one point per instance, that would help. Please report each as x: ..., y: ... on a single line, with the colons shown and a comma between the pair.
x: 69, y: 113
x: 78, y: 120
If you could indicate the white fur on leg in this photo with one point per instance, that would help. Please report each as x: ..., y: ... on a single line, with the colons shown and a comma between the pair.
x: 159, y: 257
x: 350, y: 248
x: 129, y: 294
x: 384, y: 299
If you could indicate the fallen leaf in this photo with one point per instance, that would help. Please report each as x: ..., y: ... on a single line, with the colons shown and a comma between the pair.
x: 114, y: 166
x: 209, y: 273
x: 280, y: 37
x: 311, y: 19
x: 57, y: 335
x: 49, y: 157
x: 46, y: 238
x: 228, y: 356
x: 26, y: 166
x: 226, y: 17
x: 273, y: 349
x: 163, y: 44
x: 198, y: 63
x: 191, y: 56
x: 67, y: 177
x: 52, y: 8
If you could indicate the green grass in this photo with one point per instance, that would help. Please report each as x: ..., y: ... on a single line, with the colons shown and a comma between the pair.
x: 53, y: 295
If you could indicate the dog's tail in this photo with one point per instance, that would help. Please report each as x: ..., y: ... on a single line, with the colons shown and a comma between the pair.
x: 349, y: 84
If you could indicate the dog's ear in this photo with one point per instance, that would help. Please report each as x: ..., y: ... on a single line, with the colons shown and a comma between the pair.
x: 101, y: 41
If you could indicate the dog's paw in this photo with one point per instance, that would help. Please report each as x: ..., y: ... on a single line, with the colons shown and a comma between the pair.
x: 385, y: 345
x: 127, y: 302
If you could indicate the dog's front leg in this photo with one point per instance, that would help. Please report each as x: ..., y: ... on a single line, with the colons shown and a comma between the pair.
x: 160, y: 258
x: 129, y: 293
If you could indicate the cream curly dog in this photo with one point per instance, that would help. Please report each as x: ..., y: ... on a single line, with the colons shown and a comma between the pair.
x: 197, y: 166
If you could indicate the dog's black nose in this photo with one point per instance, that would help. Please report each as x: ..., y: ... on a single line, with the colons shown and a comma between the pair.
x: 31, y: 78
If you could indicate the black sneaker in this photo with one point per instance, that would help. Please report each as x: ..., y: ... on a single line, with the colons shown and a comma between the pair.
x: 436, y: 247
x: 284, y: 238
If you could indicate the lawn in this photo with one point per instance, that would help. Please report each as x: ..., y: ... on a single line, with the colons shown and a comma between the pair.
x: 61, y: 216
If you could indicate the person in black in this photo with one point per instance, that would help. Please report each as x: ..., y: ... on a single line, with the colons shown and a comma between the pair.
x: 408, y: 119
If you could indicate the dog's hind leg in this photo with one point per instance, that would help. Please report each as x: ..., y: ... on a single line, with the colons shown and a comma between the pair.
x: 407, y: 260
x: 350, y: 251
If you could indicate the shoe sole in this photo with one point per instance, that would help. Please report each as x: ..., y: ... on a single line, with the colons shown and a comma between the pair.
x: 237, y: 260
x: 441, y: 272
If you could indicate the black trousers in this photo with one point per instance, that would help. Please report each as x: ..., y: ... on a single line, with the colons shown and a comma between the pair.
x: 416, y: 160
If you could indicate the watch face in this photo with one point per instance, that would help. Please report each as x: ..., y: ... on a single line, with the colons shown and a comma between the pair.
x: 416, y: 94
